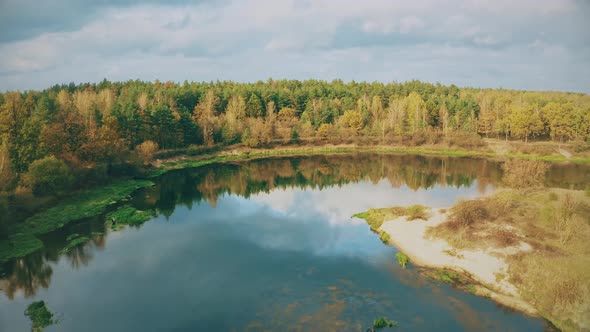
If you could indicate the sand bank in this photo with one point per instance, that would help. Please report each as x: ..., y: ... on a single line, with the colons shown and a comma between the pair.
x: 488, y: 267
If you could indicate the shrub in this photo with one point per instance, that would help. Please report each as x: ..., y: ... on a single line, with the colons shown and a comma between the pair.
x: 580, y: 146
x: 146, y: 151
x: 417, y: 212
x: 419, y: 138
x: 524, y: 173
x: 324, y: 130
x: 539, y: 149
x: 48, y: 176
x: 402, y: 259
x: 382, y: 322
x: 384, y: 237
x: 448, y: 277
x: 39, y: 315
x: 465, y: 140
x: 466, y: 213
x: 249, y: 140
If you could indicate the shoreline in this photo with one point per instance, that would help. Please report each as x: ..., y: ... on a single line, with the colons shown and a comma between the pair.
x: 483, y: 267
x: 238, y: 153
x: 241, y: 153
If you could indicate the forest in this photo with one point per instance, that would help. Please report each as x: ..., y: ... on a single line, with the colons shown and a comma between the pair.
x: 76, y: 135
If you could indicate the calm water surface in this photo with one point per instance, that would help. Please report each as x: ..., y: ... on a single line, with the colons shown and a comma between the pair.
x: 261, y: 245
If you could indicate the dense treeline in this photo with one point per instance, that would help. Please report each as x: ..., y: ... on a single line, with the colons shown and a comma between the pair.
x: 98, y: 130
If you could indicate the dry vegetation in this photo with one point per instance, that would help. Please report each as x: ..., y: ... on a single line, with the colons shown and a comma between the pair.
x: 554, y: 274
x: 524, y: 173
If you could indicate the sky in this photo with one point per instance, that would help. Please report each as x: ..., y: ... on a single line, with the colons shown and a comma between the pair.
x: 518, y: 44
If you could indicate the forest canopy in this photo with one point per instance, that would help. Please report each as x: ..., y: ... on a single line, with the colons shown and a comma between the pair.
x: 90, y: 129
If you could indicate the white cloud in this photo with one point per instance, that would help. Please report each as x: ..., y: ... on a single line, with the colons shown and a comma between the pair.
x: 338, y: 204
x: 368, y: 40
x: 410, y: 23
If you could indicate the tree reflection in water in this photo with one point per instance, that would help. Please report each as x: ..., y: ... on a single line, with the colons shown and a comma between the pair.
x: 246, y: 178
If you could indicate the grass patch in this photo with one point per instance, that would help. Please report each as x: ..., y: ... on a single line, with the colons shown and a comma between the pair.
x: 382, y: 322
x: 128, y: 215
x: 402, y: 259
x: 19, y: 245
x: 376, y: 217
x: 85, y: 204
x: 417, y: 212
x: 447, y: 277
x: 74, y: 240
x: 384, y: 237
x: 39, y: 315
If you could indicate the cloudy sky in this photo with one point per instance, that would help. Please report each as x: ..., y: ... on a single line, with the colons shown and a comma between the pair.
x: 522, y: 44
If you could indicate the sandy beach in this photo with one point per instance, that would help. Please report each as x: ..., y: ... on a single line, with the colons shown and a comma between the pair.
x: 485, y: 267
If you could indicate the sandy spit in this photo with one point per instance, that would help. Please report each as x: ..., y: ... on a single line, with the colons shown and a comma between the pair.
x: 485, y: 267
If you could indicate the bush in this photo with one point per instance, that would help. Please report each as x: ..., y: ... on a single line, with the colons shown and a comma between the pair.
x: 417, y: 212
x: 466, y: 213
x: 402, y: 259
x: 418, y: 138
x: 538, y: 149
x: 39, y: 315
x: 324, y: 130
x: 580, y: 146
x: 448, y: 277
x: 524, y: 173
x: 382, y: 322
x: 250, y: 140
x: 146, y: 151
x: 384, y: 237
x: 465, y: 140
x: 48, y: 176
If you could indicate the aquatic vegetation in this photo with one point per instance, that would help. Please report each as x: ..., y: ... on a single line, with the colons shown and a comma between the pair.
x: 39, y: 315
x: 382, y: 322
x: 74, y: 240
x: 19, y: 245
x: 447, y: 277
x: 86, y: 204
x: 128, y: 215
x: 384, y: 237
x: 376, y: 217
x: 402, y: 259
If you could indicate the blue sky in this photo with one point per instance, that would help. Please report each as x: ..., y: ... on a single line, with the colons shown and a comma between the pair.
x: 521, y: 44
